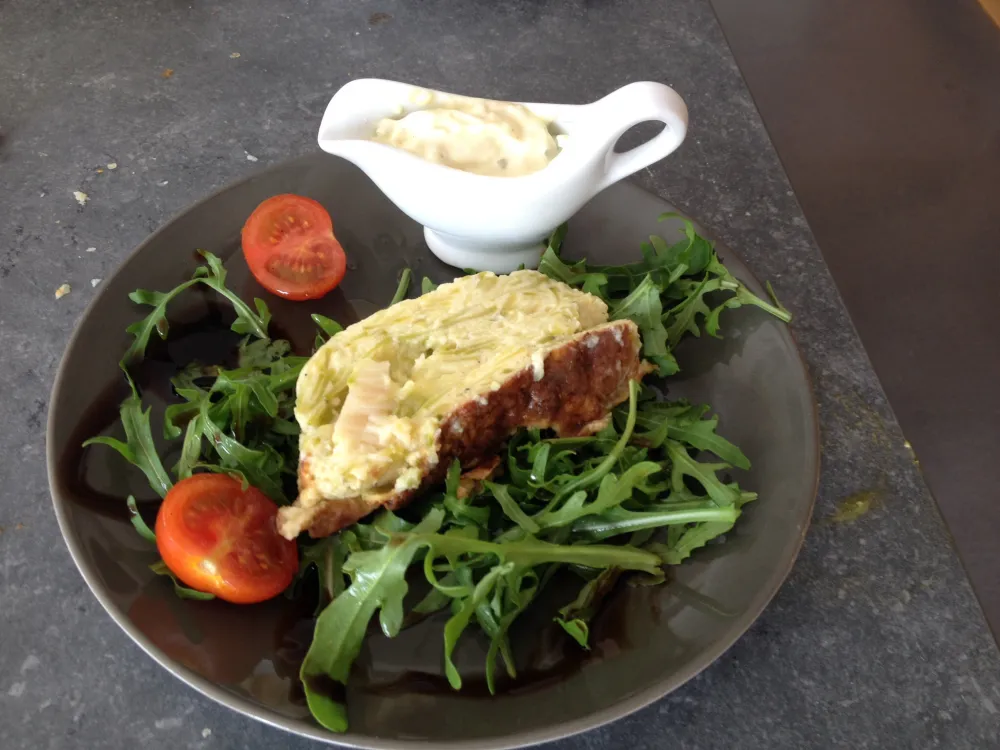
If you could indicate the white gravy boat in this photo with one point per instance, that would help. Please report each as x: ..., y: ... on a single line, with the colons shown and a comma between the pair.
x: 499, y: 223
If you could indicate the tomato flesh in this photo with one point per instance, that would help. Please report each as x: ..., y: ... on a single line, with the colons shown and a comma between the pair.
x: 217, y: 537
x: 307, y: 260
x: 289, y: 246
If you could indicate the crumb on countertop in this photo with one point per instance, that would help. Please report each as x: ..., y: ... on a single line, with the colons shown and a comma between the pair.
x: 62, y: 291
x: 81, y: 197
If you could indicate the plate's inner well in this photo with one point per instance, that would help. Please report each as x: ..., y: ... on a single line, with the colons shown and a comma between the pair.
x: 646, y: 640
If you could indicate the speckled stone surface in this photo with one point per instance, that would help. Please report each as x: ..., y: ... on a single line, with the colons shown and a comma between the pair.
x: 876, y: 640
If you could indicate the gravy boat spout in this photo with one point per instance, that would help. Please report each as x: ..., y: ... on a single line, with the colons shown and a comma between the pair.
x: 500, y: 223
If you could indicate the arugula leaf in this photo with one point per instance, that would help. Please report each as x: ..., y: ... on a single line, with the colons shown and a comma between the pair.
x: 182, y: 591
x: 261, y: 466
x: 612, y: 492
x: 702, y: 436
x: 267, y: 400
x: 247, y: 321
x: 176, y: 415
x: 575, y: 616
x: 520, y: 587
x: 236, y: 474
x: 404, y: 287
x: 238, y: 405
x: 328, y: 556
x: 703, y: 473
x: 138, y: 448
x: 155, y: 321
x: 456, y: 582
x: 659, y: 293
x: 261, y: 353
x: 645, y: 308
x: 212, y: 275
x: 511, y: 508
x: 460, y: 620
x: 776, y: 302
x: 684, y: 316
x: 743, y: 296
x: 685, y: 424
x: 533, y: 552
x: 539, y: 463
x: 378, y: 580
x: 694, y: 251
x: 693, y: 538
x: 191, y: 450
x: 577, y: 629
x: 553, y: 267
x: 329, y: 326
x: 594, y: 475
x: 462, y: 509
x: 140, y: 525
x: 618, y: 521
x: 557, y: 238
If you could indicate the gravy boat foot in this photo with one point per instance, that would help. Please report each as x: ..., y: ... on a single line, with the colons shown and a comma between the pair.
x: 489, y: 256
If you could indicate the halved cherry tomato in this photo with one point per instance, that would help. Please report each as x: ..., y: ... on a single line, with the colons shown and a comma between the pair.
x: 289, y: 245
x: 217, y: 537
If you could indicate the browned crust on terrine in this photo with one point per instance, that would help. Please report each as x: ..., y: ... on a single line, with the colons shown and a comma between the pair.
x: 581, y: 382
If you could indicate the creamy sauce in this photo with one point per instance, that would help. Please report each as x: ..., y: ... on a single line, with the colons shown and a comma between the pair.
x: 497, y: 139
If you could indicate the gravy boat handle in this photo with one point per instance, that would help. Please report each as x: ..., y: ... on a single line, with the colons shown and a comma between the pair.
x: 642, y: 101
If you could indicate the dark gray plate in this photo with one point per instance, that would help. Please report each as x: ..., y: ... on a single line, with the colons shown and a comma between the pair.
x: 648, y: 641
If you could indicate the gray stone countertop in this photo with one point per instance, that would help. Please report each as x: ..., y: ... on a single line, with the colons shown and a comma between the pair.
x: 875, y: 641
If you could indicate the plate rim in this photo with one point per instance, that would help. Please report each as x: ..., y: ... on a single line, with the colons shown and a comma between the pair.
x: 300, y: 727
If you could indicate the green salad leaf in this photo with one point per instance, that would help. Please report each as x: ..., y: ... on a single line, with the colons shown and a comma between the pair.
x: 212, y: 275
x: 182, y: 591
x: 575, y: 617
x: 327, y: 555
x: 140, y: 525
x: 378, y: 580
x: 138, y: 448
x: 675, y: 291
x: 326, y: 325
x: 159, y: 567
x: 404, y: 287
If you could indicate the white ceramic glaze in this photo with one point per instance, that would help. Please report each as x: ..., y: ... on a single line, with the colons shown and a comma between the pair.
x: 499, y: 223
